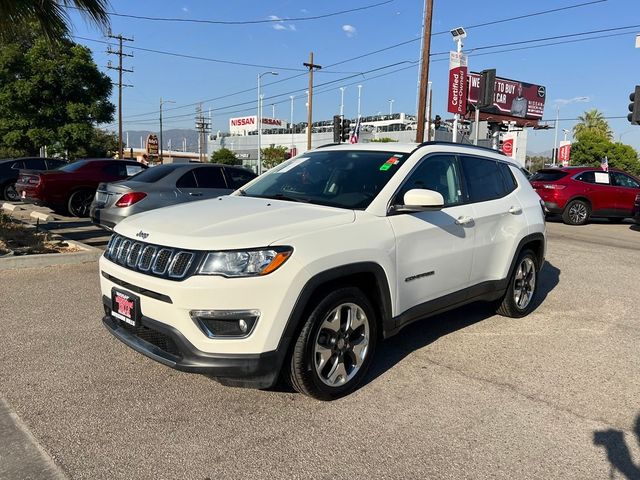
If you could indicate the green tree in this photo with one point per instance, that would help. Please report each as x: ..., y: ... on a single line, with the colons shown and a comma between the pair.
x: 225, y: 156
x: 52, y: 97
x: 592, y: 121
x: 272, y: 156
x: 50, y: 15
x: 592, y: 147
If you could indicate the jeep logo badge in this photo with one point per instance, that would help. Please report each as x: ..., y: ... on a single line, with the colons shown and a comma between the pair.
x: 142, y: 234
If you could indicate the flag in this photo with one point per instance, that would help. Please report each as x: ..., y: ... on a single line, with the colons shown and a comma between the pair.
x: 604, y: 164
x: 356, y: 133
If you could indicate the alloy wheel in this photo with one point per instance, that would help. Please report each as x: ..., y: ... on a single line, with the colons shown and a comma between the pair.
x: 80, y: 203
x: 11, y: 193
x: 341, y: 345
x: 578, y: 213
x: 525, y: 283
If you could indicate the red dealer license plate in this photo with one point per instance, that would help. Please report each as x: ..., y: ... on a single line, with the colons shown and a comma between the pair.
x: 126, y: 307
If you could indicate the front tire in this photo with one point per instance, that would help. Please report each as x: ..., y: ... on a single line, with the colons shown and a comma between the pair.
x: 80, y: 202
x: 577, y: 212
x: 523, y: 285
x: 336, y: 346
x: 10, y: 193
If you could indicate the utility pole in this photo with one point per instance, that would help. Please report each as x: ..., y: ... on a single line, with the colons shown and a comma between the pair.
x: 120, y: 69
x: 202, y: 127
x: 424, y: 70
x: 162, y: 102
x: 311, y: 66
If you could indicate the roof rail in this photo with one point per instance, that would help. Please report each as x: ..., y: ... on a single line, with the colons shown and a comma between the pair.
x: 328, y: 145
x: 424, y: 144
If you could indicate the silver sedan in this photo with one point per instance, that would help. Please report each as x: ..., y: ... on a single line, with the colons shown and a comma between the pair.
x: 162, y: 186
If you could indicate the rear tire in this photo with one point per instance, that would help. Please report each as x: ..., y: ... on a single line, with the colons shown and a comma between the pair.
x: 80, y: 202
x: 577, y: 212
x: 336, y: 346
x: 523, y: 285
x: 10, y: 193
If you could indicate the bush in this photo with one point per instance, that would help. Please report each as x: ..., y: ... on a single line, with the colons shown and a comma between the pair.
x: 226, y: 157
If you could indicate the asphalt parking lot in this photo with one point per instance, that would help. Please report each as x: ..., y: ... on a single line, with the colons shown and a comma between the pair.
x: 463, y: 395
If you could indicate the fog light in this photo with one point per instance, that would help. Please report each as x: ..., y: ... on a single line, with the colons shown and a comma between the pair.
x: 225, y: 323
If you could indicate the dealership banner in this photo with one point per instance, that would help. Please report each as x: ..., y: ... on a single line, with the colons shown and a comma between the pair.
x: 564, y: 153
x: 510, y: 144
x: 511, y: 98
x: 457, y: 83
x: 241, y: 125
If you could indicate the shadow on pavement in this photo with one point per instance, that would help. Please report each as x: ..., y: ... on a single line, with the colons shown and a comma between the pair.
x: 424, y: 332
x: 635, y: 228
x: 618, y: 452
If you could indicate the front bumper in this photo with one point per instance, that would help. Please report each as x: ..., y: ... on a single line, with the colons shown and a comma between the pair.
x: 166, y: 345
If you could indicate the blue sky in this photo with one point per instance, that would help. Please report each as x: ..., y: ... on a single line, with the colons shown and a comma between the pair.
x: 604, y: 69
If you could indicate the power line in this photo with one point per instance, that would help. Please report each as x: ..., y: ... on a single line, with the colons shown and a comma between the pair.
x: 245, y: 22
x: 120, y: 70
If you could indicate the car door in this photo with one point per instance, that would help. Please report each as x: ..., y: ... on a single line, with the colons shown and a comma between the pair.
x: 626, y: 189
x: 596, y: 186
x: 187, y: 187
x: 498, y: 216
x: 211, y: 182
x: 434, y: 249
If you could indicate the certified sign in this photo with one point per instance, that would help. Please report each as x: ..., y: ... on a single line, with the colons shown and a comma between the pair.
x: 457, y: 102
x: 152, y: 144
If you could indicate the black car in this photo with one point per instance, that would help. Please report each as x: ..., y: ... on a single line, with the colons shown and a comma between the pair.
x: 10, y: 167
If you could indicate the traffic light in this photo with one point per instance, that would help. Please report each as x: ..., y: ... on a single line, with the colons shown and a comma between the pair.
x: 437, y: 123
x: 487, y: 84
x: 346, y: 130
x: 337, y: 128
x: 634, y: 107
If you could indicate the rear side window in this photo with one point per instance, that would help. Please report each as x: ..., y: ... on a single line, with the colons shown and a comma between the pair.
x: 209, y: 177
x: 115, y: 169
x: 187, y: 181
x: 510, y: 183
x: 484, y: 179
x: 548, y: 175
x: 237, y: 177
x: 35, y: 164
x: 593, y: 177
x: 17, y: 165
x: 51, y: 164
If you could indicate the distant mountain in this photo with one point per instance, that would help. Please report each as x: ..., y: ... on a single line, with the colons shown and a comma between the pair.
x: 175, y: 135
x: 546, y: 153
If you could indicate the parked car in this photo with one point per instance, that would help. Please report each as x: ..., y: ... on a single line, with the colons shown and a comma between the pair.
x: 636, y: 210
x: 71, y: 188
x: 581, y: 193
x: 306, y: 268
x: 162, y: 186
x: 10, y: 167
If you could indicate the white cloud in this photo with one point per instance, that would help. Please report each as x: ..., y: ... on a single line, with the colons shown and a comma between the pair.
x: 304, y: 10
x: 349, y: 30
x: 185, y: 9
x: 280, y: 25
x: 567, y: 101
x: 274, y: 17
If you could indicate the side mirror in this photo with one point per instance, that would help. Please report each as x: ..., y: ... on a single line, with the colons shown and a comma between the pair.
x: 420, y: 200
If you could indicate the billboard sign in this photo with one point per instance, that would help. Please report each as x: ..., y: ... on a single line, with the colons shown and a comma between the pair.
x: 241, y: 125
x: 457, y: 102
x: 564, y: 153
x: 511, y: 98
x: 152, y: 144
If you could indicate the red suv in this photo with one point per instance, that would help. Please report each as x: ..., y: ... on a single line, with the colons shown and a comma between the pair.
x: 579, y: 193
x: 71, y: 188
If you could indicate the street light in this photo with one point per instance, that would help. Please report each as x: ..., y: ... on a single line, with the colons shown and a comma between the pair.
x: 623, y: 134
x: 555, y: 139
x: 292, y: 97
x: 359, y: 92
x: 566, y: 132
x: 342, y: 89
x: 162, y: 102
x: 260, y: 120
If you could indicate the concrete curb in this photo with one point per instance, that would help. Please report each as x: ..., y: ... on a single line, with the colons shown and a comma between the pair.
x: 21, y: 456
x: 87, y: 254
x: 42, y: 216
x: 10, y: 207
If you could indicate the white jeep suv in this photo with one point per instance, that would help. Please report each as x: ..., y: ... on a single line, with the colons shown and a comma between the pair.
x: 304, y: 271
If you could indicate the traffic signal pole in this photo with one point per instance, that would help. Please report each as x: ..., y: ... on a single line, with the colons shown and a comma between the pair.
x: 424, y: 70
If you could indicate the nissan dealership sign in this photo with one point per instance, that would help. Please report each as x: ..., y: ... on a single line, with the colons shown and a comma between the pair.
x: 242, y: 125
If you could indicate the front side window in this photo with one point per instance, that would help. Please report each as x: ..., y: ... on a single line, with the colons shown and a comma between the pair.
x: 209, y: 177
x: 622, y: 180
x: 483, y: 179
x: 438, y: 173
x: 36, y: 164
x: 338, y: 178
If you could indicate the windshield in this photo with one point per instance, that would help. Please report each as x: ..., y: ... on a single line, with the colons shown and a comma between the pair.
x: 72, y: 167
x: 337, y: 178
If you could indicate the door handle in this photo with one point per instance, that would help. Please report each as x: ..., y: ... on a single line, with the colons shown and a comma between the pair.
x: 464, y: 220
x: 195, y: 194
x: 515, y: 210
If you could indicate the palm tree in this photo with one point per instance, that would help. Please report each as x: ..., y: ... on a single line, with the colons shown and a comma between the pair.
x: 592, y: 121
x: 51, y: 15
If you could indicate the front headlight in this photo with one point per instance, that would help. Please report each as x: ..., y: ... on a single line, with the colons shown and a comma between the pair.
x: 245, y: 263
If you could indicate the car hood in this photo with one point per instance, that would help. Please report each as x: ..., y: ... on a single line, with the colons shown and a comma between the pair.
x: 230, y: 222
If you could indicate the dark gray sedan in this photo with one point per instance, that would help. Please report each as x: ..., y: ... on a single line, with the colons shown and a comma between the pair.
x: 162, y: 186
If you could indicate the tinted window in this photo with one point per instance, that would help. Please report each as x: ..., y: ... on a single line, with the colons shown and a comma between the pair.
x: 115, y: 169
x: 133, y: 168
x: 547, y: 175
x: 237, y: 177
x: 18, y: 165
x: 153, y: 174
x: 438, y: 173
x: 35, y: 164
x: 622, y: 180
x: 483, y: 178
x: 510, y: 183
x: 588, y: 177
x: 187, y: 181
x: 209, y: 177
x: 74, y: 167
x: 51, y: 163
x: 340, y: 178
